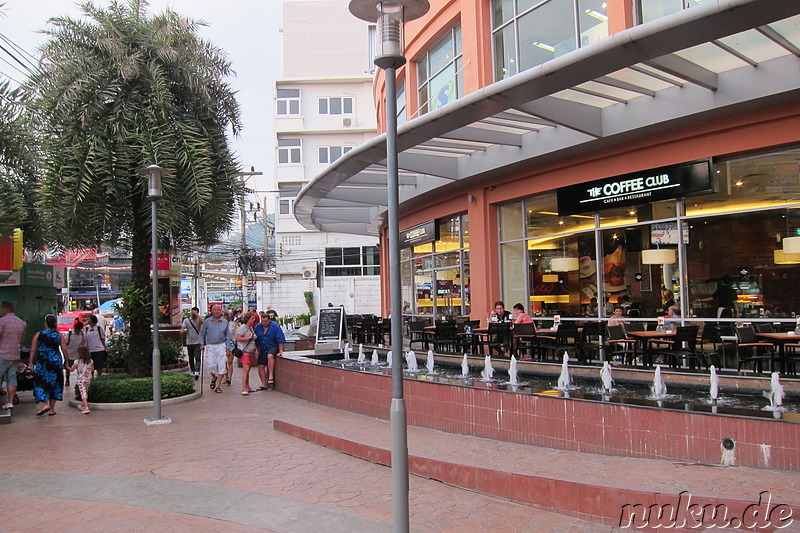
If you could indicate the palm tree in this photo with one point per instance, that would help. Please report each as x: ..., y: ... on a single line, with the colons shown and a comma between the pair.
x: 18, y: 170
x: 118, y: 90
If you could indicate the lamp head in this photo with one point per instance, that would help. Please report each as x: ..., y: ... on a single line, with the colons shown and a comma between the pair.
x: 153, y: 173
x: 390, y: 17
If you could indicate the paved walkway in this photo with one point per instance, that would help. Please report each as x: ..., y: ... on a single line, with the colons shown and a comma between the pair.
x: 221, y: 467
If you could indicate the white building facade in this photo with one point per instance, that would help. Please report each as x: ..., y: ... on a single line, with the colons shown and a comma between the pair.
x: 324, y: 107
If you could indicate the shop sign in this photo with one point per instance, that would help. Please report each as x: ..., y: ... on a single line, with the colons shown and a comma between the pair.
x: 421, y: 234
x: 31, y: 275
x: 170, y: 261
x: 664, y: 183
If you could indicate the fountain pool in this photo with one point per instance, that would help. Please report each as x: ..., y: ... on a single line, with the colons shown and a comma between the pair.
x: 653, y: 394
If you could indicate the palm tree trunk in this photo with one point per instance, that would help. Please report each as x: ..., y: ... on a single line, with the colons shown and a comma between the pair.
x: 140, y: 358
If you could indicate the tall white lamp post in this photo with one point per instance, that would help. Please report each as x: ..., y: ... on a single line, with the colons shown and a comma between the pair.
x: 390, y: 17
x: 154, y: 174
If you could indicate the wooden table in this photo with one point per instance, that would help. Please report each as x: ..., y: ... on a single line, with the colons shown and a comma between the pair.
x: 780, y: 340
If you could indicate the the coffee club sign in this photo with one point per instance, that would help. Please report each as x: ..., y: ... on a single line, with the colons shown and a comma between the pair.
x: 421, y: 234
x: 664, y: 183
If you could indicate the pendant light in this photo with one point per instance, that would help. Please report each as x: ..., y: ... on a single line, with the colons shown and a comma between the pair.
x: 564, y: 264
x: 658, y: 256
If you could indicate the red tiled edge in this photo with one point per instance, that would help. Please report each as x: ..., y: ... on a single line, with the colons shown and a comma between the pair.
x: 552, y: 422
x: 592, y: 502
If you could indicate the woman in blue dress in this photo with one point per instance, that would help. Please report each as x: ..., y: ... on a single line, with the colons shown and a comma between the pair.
x: 48, y: 366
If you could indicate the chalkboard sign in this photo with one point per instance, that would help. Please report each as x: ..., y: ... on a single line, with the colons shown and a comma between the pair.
x: 330, y: 325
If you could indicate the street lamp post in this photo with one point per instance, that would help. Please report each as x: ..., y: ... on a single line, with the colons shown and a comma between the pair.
x: 243, y: 176
x: 154, y: 174
x: 390, y: 17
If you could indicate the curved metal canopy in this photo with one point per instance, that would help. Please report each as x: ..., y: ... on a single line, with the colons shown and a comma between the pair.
x: 710, y: 60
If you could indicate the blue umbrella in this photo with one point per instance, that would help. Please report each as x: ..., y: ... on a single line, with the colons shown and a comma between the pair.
x: 108, y: 306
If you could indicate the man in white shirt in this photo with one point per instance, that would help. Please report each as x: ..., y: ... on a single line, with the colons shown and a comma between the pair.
x: 101, y: 321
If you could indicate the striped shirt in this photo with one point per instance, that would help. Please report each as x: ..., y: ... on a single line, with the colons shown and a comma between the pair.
x: 214, y: 332
x: 12, y: 331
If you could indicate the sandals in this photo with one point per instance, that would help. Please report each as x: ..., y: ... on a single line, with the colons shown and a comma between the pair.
x: 218, y: 390
x: 245, y: 393
x: 42, y: 411
x: 227, y: 382
x: 213, y: 384
x: 263, y: 388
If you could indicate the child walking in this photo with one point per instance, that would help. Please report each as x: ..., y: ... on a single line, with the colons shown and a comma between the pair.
x: 85, y: 368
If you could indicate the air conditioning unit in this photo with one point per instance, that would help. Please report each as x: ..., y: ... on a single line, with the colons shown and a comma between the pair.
x: 309, y: 273
x: 347, y: 122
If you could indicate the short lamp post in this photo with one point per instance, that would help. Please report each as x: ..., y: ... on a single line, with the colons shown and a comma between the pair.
x: 154, y: 174
x: 390, y: 17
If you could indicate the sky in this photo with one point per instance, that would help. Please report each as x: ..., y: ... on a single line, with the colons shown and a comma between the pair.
x: 247, y: 31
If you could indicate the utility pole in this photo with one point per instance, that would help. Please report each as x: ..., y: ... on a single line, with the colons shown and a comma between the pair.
x: 243, y: 176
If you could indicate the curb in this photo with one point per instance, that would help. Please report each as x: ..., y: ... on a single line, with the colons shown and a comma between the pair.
x: 136, y: 405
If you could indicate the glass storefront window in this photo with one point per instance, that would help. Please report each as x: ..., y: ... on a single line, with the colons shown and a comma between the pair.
x: 734, y: 233
x: 511, y: 221
x: 742, y: 247
x: 543, y: 219
x: 436, y: 275
x: 753, y: 182
x: 513, y: 268
x: 620, y: 216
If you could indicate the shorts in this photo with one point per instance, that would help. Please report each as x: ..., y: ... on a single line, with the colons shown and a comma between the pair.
x: 99, y: 360
x: 248, y: 358
x: 8, y: 371
x: 262, y: 358
x: 216, y: 360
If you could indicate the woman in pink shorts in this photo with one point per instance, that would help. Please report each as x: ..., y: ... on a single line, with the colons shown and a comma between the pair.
x: 246, y: 342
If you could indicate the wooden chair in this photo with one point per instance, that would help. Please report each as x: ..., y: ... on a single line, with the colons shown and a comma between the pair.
x: 444, y: 338
x: 466, y: 338
x: 525, y: 341
x: 681, y: 347
x: 416, y: 333
x: 565, y: 339
x: 751, y: 350
x: 590, y: 341
x: 497, y: 338
x: 708, y: 340
x: 618, y: 343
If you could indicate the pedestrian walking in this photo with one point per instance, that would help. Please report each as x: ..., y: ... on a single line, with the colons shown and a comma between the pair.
x: 85, y: 370
x: 96, y: 340
x: 216, y: 342
x: 48, y: 351
x: 75, y: 339
x: 190, y: 331
x: 12, y: 332
x: 246, y: 342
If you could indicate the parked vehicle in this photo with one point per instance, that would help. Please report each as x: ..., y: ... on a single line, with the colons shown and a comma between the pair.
x: 66, y: 320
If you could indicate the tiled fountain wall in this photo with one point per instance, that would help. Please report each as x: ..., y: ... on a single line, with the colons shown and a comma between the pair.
x: 585, y: 426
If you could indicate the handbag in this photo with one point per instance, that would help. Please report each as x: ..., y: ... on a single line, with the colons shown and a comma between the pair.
x: 237, y: 353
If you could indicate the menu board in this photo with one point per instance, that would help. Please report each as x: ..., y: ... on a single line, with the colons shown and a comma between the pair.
x: 330, y: 325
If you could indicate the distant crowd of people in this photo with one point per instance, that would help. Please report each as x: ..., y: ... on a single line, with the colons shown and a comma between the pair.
x: 255, y: 339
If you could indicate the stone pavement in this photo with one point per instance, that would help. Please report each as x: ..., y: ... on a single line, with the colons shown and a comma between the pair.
x: 221, y: 467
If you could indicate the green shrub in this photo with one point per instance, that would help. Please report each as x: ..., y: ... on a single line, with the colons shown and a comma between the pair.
x: 119, y: 348
x: 119, y: 388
